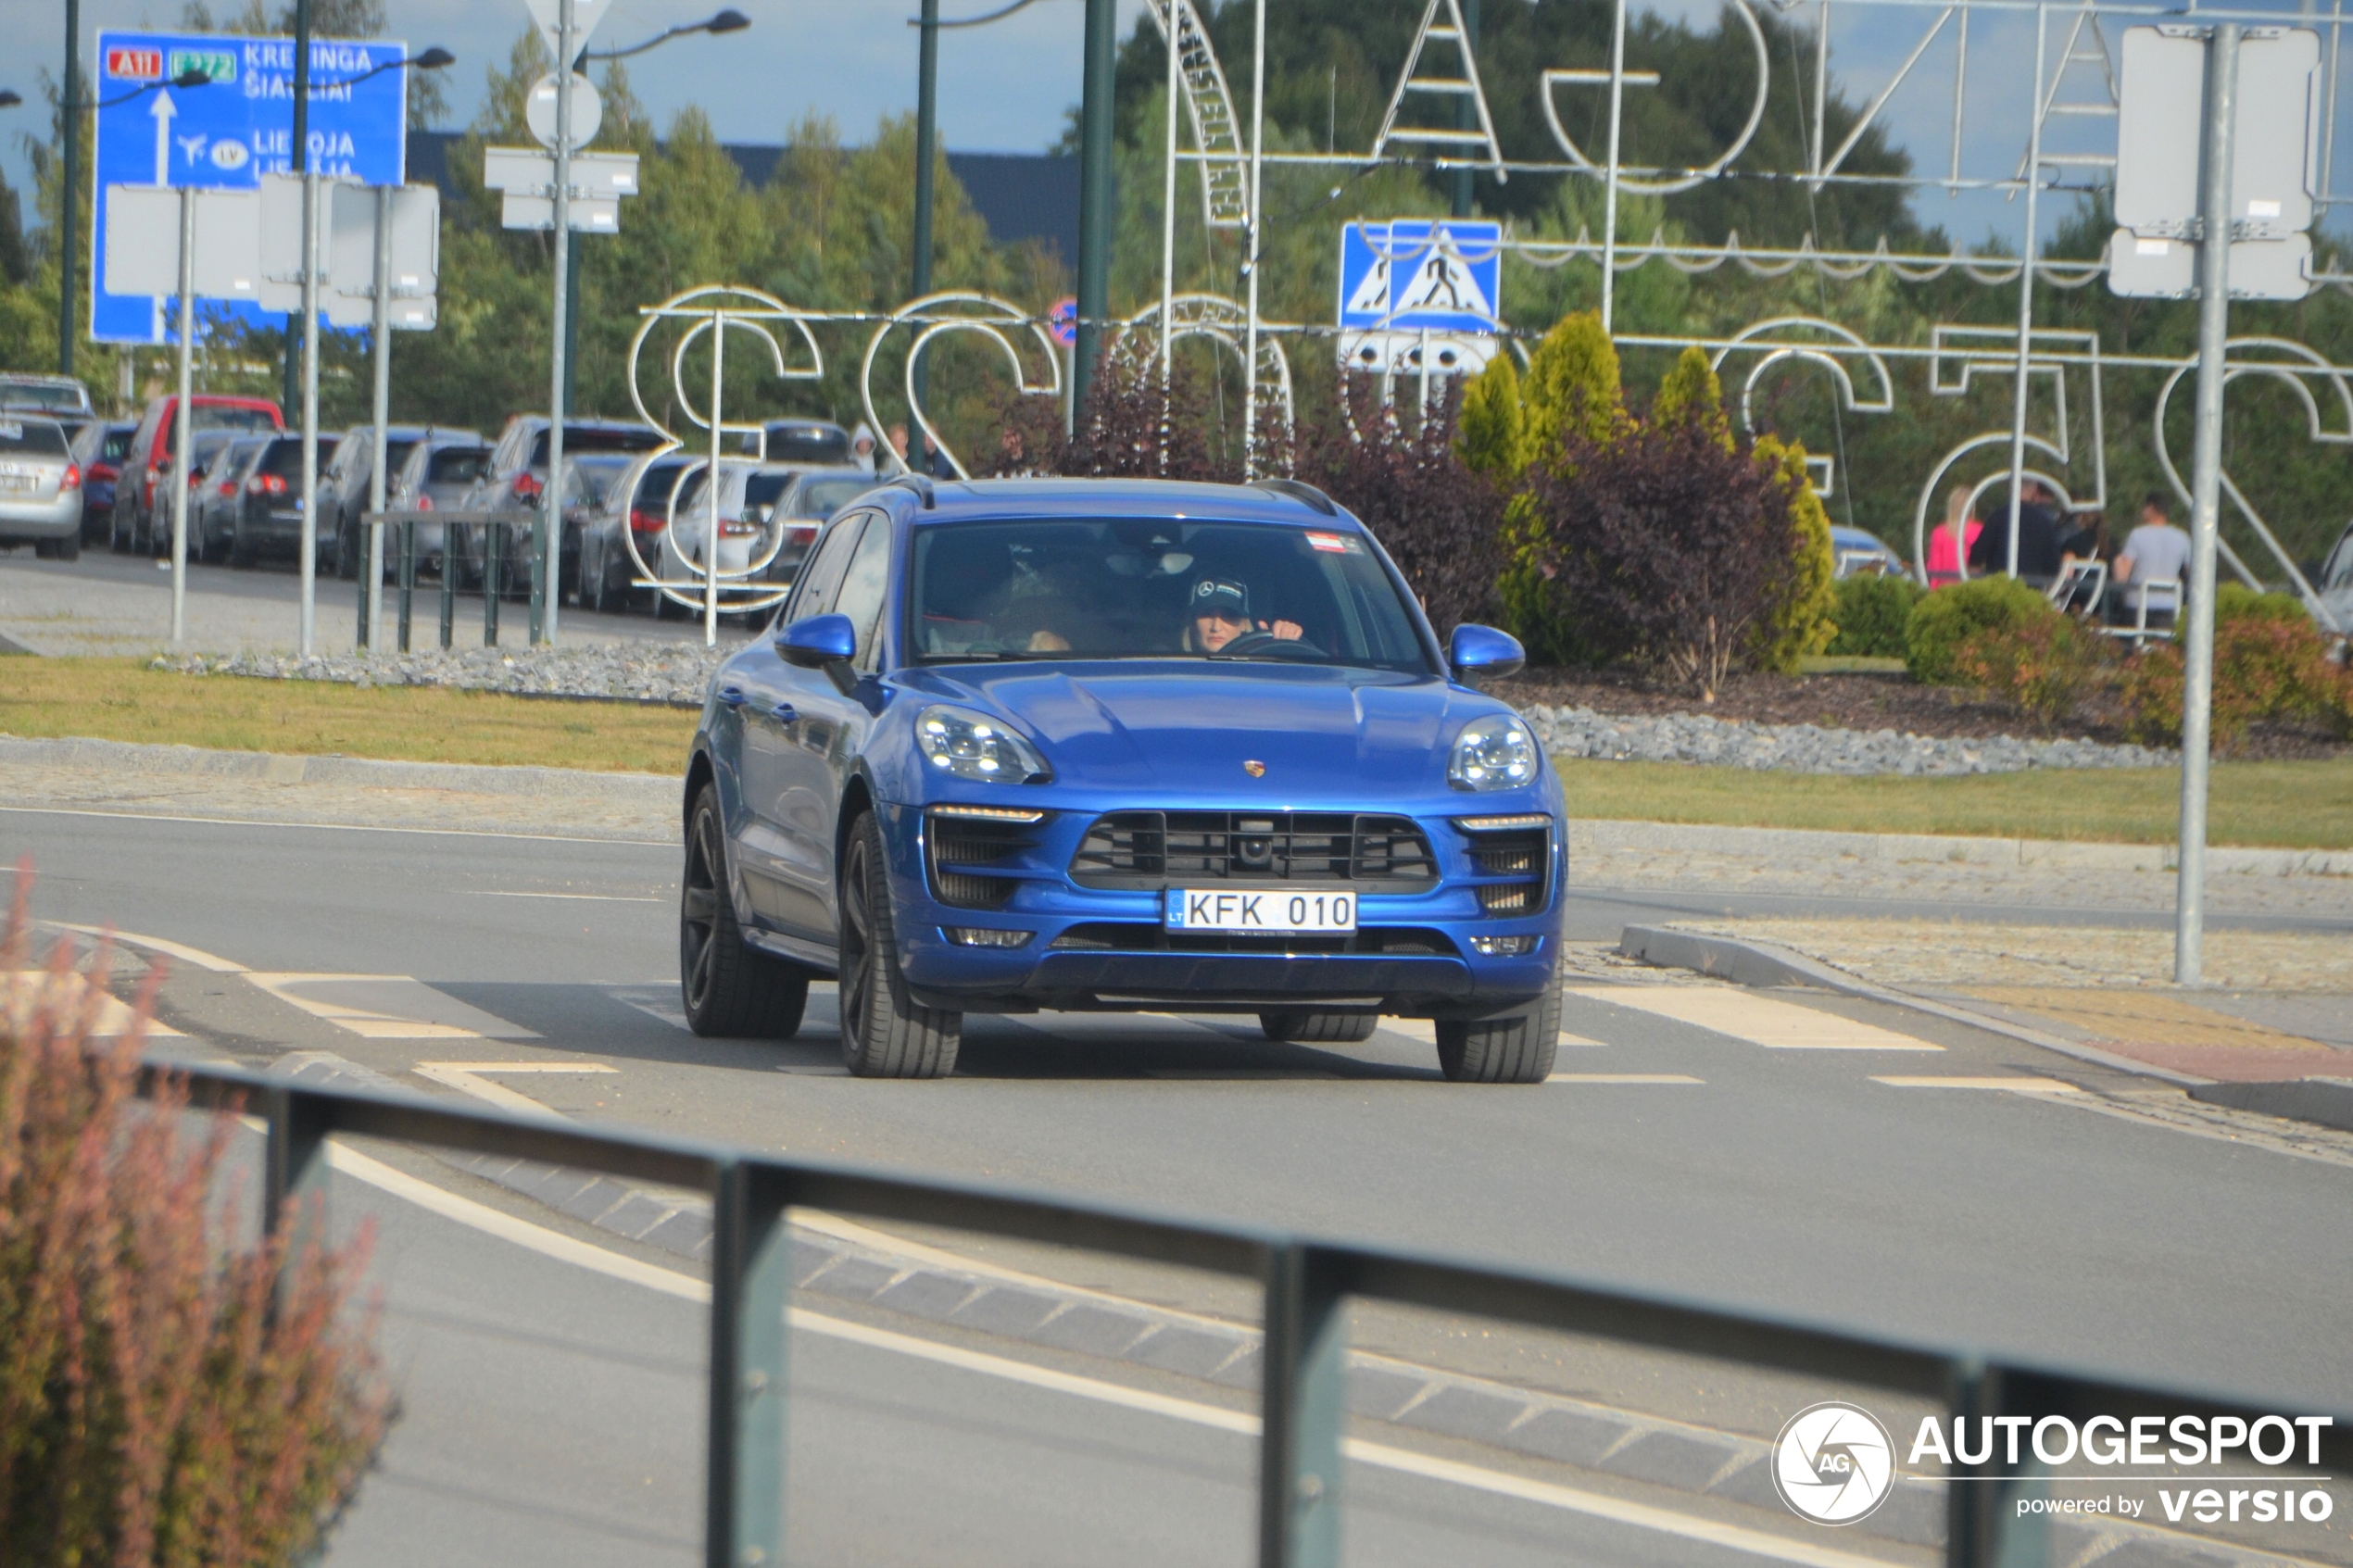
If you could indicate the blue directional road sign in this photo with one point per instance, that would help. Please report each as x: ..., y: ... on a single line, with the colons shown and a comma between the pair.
x: 1414, y: 274
x: 230, y: 133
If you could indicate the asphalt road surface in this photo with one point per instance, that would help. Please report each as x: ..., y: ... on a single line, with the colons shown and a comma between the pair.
x: 1872, y: 1168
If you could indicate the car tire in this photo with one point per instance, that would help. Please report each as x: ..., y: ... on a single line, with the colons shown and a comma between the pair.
x: 346, y: 554
x: 67, y: 548
x: 730, y: 991
x: 1319, y: 1028
x: 44, y: 549
x: 241, y: 551
x: 885, y: 1032
x: 1516, y: 1047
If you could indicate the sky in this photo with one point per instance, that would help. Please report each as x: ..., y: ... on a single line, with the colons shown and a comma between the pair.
x: 1008, y: 86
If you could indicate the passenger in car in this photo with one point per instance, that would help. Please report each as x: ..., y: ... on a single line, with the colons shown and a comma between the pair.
x: 1218, y: 611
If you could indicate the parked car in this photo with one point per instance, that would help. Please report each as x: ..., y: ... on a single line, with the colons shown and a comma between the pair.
x: 813, y: 497
x: 638, y: 503
x: 1119, y: 743
x: 748, y: 495
x: 209, y: 459
x: 152, y: 445
x: 40, y: 487
x: 57, y: 398
x: 804, y: 443
x: 518, y: 476
x: 344, y: 488
x: 442, y: 470
x: 213, y: 504
x: 1859, y: 551
x: 99, y: 447
x: 2335, y: 583
x: 268, y: 518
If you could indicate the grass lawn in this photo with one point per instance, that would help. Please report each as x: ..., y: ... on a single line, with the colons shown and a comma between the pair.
x: 2281, y: 805
x: 122, y: 700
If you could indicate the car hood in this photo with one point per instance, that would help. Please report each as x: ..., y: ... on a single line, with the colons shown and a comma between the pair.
x: 1185, y: 730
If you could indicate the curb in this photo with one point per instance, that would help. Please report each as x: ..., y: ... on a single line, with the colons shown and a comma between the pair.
x: 1594, y: 836
x: 1747, y: 962
x: 2327, y: 1101
x: 642, y: 790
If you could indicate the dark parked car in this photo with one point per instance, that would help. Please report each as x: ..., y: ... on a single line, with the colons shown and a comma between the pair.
x: 802, y: 443
x: 518, y: 476
x: 638, y: 503
x: 344, y: 486
x: 99, y: 447
x: 1119, y: 744
x: 223, y: 459
x: 813, y: 497
x: 268, y: 519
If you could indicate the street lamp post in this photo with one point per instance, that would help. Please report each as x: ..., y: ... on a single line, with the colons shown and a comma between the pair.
x: 1094, y: 196
x: 301, y: 166
x: 70, y: 220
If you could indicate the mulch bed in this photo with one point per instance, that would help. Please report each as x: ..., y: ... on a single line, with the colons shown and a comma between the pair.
x: 1868, y: 702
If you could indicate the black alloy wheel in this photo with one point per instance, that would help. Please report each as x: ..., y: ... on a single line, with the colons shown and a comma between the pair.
x: 885, y: 1032
x: 731, y: 992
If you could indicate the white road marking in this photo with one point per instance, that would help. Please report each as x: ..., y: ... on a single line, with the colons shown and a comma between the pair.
x: 584, y: 897
x: 1761, y: 1021
x: 1623, y: 1078
x: 388, y: 1007
x: 654, y: 1001
x: 463, y: 1075
x: 551, y: 1244
x: 2015, y: 1085
x: 185, y: 954
x: 25, y: 991
x: 332, y: 827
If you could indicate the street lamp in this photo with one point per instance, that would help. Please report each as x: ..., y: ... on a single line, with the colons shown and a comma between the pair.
x: 8, y: 100
x: 433, y: 58
x: 726, y: 21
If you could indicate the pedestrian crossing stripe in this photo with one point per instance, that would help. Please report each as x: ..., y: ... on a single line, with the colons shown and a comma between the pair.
x: 1760, y: 1021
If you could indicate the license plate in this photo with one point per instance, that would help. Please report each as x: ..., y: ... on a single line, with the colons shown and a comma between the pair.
x: 19, y: 484
x: 1275, y: 910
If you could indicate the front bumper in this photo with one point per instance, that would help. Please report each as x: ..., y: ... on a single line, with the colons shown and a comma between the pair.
x: 1093, y: 947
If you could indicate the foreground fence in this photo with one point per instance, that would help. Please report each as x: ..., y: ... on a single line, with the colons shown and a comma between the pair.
x: 1307, y: 1286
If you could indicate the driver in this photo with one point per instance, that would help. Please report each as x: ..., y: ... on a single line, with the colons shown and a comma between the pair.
x: 1218, y: 612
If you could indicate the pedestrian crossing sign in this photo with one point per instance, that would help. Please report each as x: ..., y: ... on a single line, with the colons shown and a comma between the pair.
x: 1409, y: 274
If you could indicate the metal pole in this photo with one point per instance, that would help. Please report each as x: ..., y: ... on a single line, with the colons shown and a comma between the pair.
x: 372, y: 592
x: 2328, y: 114
x: 1250, y: 265
x: 1095, y: 213
x: 550, y: 552
x: 310, y: 546
x: 2026, y: 289
x: 68, y: 237
x: 1168, y: 237
x: 927, y: 151
x: 1609, y: 195
x: 2205, y: 483
x: 1467, y: 111
x: 301, y: 166
x: 711, y: 487
x: 571, y: 321
x: 183, y: 415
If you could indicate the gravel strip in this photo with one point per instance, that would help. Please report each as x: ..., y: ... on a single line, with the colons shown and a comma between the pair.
x: 679, y: 676
x: 671, y: 673
x: 1809, y: 749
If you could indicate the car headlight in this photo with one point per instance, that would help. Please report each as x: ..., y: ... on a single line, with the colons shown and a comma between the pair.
x: 971, y: 746
x: 1496, y: 752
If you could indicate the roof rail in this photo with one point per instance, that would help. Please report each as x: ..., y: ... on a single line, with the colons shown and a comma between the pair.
x: 921, y: 485
x: 1300, y: 491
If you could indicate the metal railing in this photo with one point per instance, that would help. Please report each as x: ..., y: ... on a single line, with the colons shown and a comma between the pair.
x: 497, y: 532
x: 1306, y: 1285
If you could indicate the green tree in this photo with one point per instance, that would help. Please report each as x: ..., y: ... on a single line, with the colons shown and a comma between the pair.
x: 1690, y: 394
x: 1801, y: 625
x: 1493, y: 423
x: 1573, y: 386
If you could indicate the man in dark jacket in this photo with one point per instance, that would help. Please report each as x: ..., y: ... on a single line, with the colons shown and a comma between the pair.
x: 2038, y: 540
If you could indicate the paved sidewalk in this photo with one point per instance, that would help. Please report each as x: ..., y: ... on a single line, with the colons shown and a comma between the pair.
x: 2279, y: 1004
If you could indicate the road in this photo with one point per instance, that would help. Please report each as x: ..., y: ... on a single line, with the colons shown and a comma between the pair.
x: 1682, y: 1150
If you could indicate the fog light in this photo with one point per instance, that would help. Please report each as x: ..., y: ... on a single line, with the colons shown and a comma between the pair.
x: 1503, y: 946
x: 985, y: 936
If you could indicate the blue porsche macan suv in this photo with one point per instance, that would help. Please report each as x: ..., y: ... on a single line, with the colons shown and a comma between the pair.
x: 1118, y: 744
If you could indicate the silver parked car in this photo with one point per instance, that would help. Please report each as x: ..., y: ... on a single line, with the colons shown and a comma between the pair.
x: 636, y: 502
x: 344, y: 487
x: 214, y: 503
x: 441, y: 471
x: 40, y: 487
x: 57, y: 398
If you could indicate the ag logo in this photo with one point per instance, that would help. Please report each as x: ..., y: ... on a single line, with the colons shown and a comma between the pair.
x: 1833, y: 1464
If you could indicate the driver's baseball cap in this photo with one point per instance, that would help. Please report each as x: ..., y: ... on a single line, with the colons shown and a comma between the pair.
x: 1219, y: 595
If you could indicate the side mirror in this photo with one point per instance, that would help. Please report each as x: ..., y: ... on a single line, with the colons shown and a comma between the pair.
x: 817, y: 641
x: 1481, y: 653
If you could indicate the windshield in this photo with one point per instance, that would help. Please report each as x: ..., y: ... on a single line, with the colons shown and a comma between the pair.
x: 285, y: 456
x: 456, y: 465
x: 212, y: 416
x: 38, y: 438
x: 58, y: 397
x: 1146, y: 589
x: 597, y: 438
x: 821, y: 498
x: 808, y: 444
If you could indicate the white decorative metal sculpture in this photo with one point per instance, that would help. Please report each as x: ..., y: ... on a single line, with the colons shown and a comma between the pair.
x: 943, y: 315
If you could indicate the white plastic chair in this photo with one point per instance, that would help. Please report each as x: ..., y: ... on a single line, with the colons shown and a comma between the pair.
x: 2170, y: 589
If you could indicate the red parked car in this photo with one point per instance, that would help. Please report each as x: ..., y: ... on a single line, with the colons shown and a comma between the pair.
x: 142, y: 507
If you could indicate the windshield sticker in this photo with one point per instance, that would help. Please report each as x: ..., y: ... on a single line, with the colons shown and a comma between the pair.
x: 1338, y: 544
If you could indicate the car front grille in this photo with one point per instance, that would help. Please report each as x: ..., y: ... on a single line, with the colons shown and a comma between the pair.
x: 1152, y: 849
x: 958, y: 851
x: 1143, y: 937
x: 1523, y: 856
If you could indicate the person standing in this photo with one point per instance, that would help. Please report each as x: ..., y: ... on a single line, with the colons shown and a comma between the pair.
x: 1949, y: 546
x: 2038, y: 541
x: 898, y: 435
x: 2154, y: 552
x: 861, y: 449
